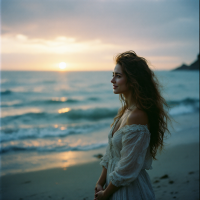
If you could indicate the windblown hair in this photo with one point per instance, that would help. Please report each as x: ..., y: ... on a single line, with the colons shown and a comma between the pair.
x: 146, y: 95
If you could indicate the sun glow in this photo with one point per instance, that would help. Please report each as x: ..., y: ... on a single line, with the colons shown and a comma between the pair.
x: 62, y: 65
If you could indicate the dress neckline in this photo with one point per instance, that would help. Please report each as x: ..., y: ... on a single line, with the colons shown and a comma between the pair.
x: 112, y: 134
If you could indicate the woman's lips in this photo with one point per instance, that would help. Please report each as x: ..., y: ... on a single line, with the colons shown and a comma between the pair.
x: 114, y: 87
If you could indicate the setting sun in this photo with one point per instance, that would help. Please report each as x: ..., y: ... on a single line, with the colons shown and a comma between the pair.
x: 62, y: 65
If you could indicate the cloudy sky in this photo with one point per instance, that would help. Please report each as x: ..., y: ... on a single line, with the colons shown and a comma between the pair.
x: 87, y: 34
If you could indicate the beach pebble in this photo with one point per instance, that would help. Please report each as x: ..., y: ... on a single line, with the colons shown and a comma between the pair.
x: 191, y: 173
x: 98, y: 156
x: 171, y: 182
x: 156, y: 181
x: 164, y: 177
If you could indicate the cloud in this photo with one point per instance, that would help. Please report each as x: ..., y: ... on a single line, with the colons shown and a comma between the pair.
x: 165, y: 28
x: 105, y: 20
x: 21, y: 44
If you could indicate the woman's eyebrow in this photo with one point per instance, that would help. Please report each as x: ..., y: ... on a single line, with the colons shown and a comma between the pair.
x: 117, y: 73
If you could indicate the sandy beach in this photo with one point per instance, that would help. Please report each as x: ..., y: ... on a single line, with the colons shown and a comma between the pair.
x: 175, y: 175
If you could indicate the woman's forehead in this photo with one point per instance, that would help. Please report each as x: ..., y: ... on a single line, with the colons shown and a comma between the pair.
x: 118, y: 69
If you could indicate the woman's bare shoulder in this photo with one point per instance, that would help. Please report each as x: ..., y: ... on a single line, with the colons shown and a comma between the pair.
x: 137, y: 117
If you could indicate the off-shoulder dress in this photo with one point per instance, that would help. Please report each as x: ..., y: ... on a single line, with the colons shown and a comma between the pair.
x: 126, y: 159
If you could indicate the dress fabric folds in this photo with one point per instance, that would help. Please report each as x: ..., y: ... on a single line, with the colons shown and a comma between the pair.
x: 126, y: 159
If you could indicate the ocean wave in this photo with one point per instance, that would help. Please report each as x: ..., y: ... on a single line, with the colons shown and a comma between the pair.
x: 183, y: 109
x: 15, y: 149
x: 184, y: 106
x: 51, y: 148
x: 41, y: 102
x: 34, y: 133
x: 56, y: 101
x: 10, y: 103
x: 6, y: 92
x: 89, y: 114
x: 93, y: 99
x: 52, y: 101
x: 183, y: 101
x: 74, y: 114
x: 5, y: 105
x: 25, y: 117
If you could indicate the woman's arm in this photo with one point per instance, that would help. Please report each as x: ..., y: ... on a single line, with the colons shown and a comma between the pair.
x: 102, y: 180
x: 104, y: 163
x: 104, y: 195
x: 110, y: 190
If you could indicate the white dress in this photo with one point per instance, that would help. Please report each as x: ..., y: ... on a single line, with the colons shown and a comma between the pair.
x: 126, y: 159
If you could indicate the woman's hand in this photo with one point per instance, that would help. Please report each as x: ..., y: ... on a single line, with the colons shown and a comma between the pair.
x: 100, y: 196
x: 98, y: 188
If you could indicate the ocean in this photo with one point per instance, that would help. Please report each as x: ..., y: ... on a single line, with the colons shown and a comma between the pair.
x: 51, y: 112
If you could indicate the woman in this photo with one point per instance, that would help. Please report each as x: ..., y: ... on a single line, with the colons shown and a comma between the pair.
x: 136, y: 134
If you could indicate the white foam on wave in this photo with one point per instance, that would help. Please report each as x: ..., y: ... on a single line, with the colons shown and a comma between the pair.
x: 48, y: 146
x: 182, y: 109
x: 34, y: 133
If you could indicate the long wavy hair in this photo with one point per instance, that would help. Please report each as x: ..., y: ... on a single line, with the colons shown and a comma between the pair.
x: 146, y: 94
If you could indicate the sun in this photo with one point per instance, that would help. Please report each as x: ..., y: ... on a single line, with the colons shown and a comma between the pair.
x: 62, y: 65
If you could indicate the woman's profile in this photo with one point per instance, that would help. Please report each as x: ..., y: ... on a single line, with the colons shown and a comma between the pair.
x: 136, y: 133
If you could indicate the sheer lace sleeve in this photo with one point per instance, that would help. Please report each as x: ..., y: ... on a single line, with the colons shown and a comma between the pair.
x: 105, y: 158
x: 135, y: 142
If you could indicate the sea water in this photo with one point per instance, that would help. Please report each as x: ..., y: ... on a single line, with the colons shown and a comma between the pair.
x: 45, y: 112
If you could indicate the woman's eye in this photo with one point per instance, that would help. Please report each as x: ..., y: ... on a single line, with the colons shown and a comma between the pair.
x: 117, y: 76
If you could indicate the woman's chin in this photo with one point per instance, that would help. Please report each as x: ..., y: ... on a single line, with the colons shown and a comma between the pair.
x: 115, y: 91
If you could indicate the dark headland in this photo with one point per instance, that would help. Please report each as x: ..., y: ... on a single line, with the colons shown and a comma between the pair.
x: 193, y: 66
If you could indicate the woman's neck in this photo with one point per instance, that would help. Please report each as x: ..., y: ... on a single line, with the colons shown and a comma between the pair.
x: 129, y: 99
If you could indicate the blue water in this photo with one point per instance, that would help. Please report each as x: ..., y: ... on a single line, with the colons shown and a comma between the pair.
x: 62, y: 111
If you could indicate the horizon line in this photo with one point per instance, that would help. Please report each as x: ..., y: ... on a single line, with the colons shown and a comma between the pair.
x: 70, y: 70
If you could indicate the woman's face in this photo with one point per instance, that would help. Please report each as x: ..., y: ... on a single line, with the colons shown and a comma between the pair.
x: 119, y: 81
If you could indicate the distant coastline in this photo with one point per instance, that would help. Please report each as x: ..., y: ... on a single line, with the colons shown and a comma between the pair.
x: 193, y: 66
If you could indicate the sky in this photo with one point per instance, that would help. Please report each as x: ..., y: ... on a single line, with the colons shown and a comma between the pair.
x: 88, y: 34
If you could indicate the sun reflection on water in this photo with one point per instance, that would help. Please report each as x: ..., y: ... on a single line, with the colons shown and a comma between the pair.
x: 64, y: 110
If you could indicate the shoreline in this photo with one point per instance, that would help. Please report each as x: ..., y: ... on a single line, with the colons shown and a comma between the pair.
x: 34, y: 161
x: 46, y: 161
x: 179, y: 164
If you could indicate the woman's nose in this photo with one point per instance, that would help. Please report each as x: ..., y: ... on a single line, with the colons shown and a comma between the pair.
x: 112, y: 80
